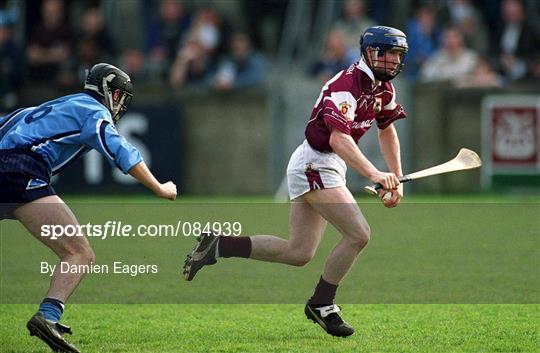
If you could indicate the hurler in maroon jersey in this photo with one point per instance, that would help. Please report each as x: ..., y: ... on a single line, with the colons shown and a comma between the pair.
x: 349, y: 104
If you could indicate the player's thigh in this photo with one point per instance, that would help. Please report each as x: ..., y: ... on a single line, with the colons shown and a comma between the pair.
x: 338, y: 206
x: 51, y: 210
x: 307, y: 226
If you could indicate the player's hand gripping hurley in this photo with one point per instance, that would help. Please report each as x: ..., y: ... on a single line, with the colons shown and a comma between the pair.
x: 465, y: 159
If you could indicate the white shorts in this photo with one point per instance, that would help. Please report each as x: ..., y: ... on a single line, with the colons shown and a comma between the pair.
x: 309, y: 169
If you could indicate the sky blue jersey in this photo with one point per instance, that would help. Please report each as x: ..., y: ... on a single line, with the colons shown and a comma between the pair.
x: 64, y: 129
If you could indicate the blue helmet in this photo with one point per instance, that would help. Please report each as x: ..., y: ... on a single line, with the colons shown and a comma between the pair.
x: 379, y: 39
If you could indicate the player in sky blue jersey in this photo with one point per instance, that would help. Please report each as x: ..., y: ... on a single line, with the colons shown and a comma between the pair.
x: 38, y: 142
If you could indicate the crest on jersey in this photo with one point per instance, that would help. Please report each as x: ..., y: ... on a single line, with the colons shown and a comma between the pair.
x: 344, y: 107
x: 377, y: 105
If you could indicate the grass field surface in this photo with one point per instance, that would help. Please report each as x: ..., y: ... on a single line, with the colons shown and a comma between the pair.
x: 283, y: 328
x: 455, y: 276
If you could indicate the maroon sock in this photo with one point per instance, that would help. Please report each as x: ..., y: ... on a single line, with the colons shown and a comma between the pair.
x: 234, y: 246
x: 324, y: 293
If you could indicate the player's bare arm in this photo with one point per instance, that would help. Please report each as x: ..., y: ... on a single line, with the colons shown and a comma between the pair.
x: 141, y: 172
x: 346, y: 148
x: 390, y: 150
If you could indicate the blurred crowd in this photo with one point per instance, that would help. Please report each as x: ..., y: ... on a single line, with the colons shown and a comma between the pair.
x: 470, y: 43
x: 486, y: 43
x: 178, y: 47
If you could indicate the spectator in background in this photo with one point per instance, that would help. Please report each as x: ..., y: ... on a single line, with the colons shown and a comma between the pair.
x: 242, y: 67
x: 133, y: 63
x: 453, y: 61
x: 334, y: 57
x: 491, y: 14
x: 353, y: 24
x: 423, y: 35
x: 12, y: 62
x: 164, y: 34
x: 93, y: 30
x: 192, y: 64
x: 482, y: 76
x: 265, y: 20
x: 49, y: 43
x: 207, y: 27
x: 464, y: 16
x: 92, y: 44
x: 517, y: 42
x: 534, y: 70
x: 197, y: 57
x: 381, y: 11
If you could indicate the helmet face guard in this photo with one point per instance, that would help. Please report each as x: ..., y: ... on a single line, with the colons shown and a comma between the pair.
x: 385, y: 70
x: 113, y: 86
x: 117, y: 100
x: 375, y: 43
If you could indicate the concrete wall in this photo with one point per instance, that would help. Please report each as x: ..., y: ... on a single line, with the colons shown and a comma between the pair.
x: 227, y: 141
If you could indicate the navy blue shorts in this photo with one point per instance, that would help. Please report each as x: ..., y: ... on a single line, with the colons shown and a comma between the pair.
x: 24, y: 177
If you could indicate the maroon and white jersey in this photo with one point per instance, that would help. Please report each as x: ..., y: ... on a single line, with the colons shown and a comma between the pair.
x: 351, y: 103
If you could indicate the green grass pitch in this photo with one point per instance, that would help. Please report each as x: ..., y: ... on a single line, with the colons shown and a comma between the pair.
x: 282, y: 328
x: 461, y: 275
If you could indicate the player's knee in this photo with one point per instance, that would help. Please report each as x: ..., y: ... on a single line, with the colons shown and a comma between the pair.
x: 86, y: 254
x: 301, y: 258
x: 89, y: 255
x: 361, y: 236
x: 82, y: 251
